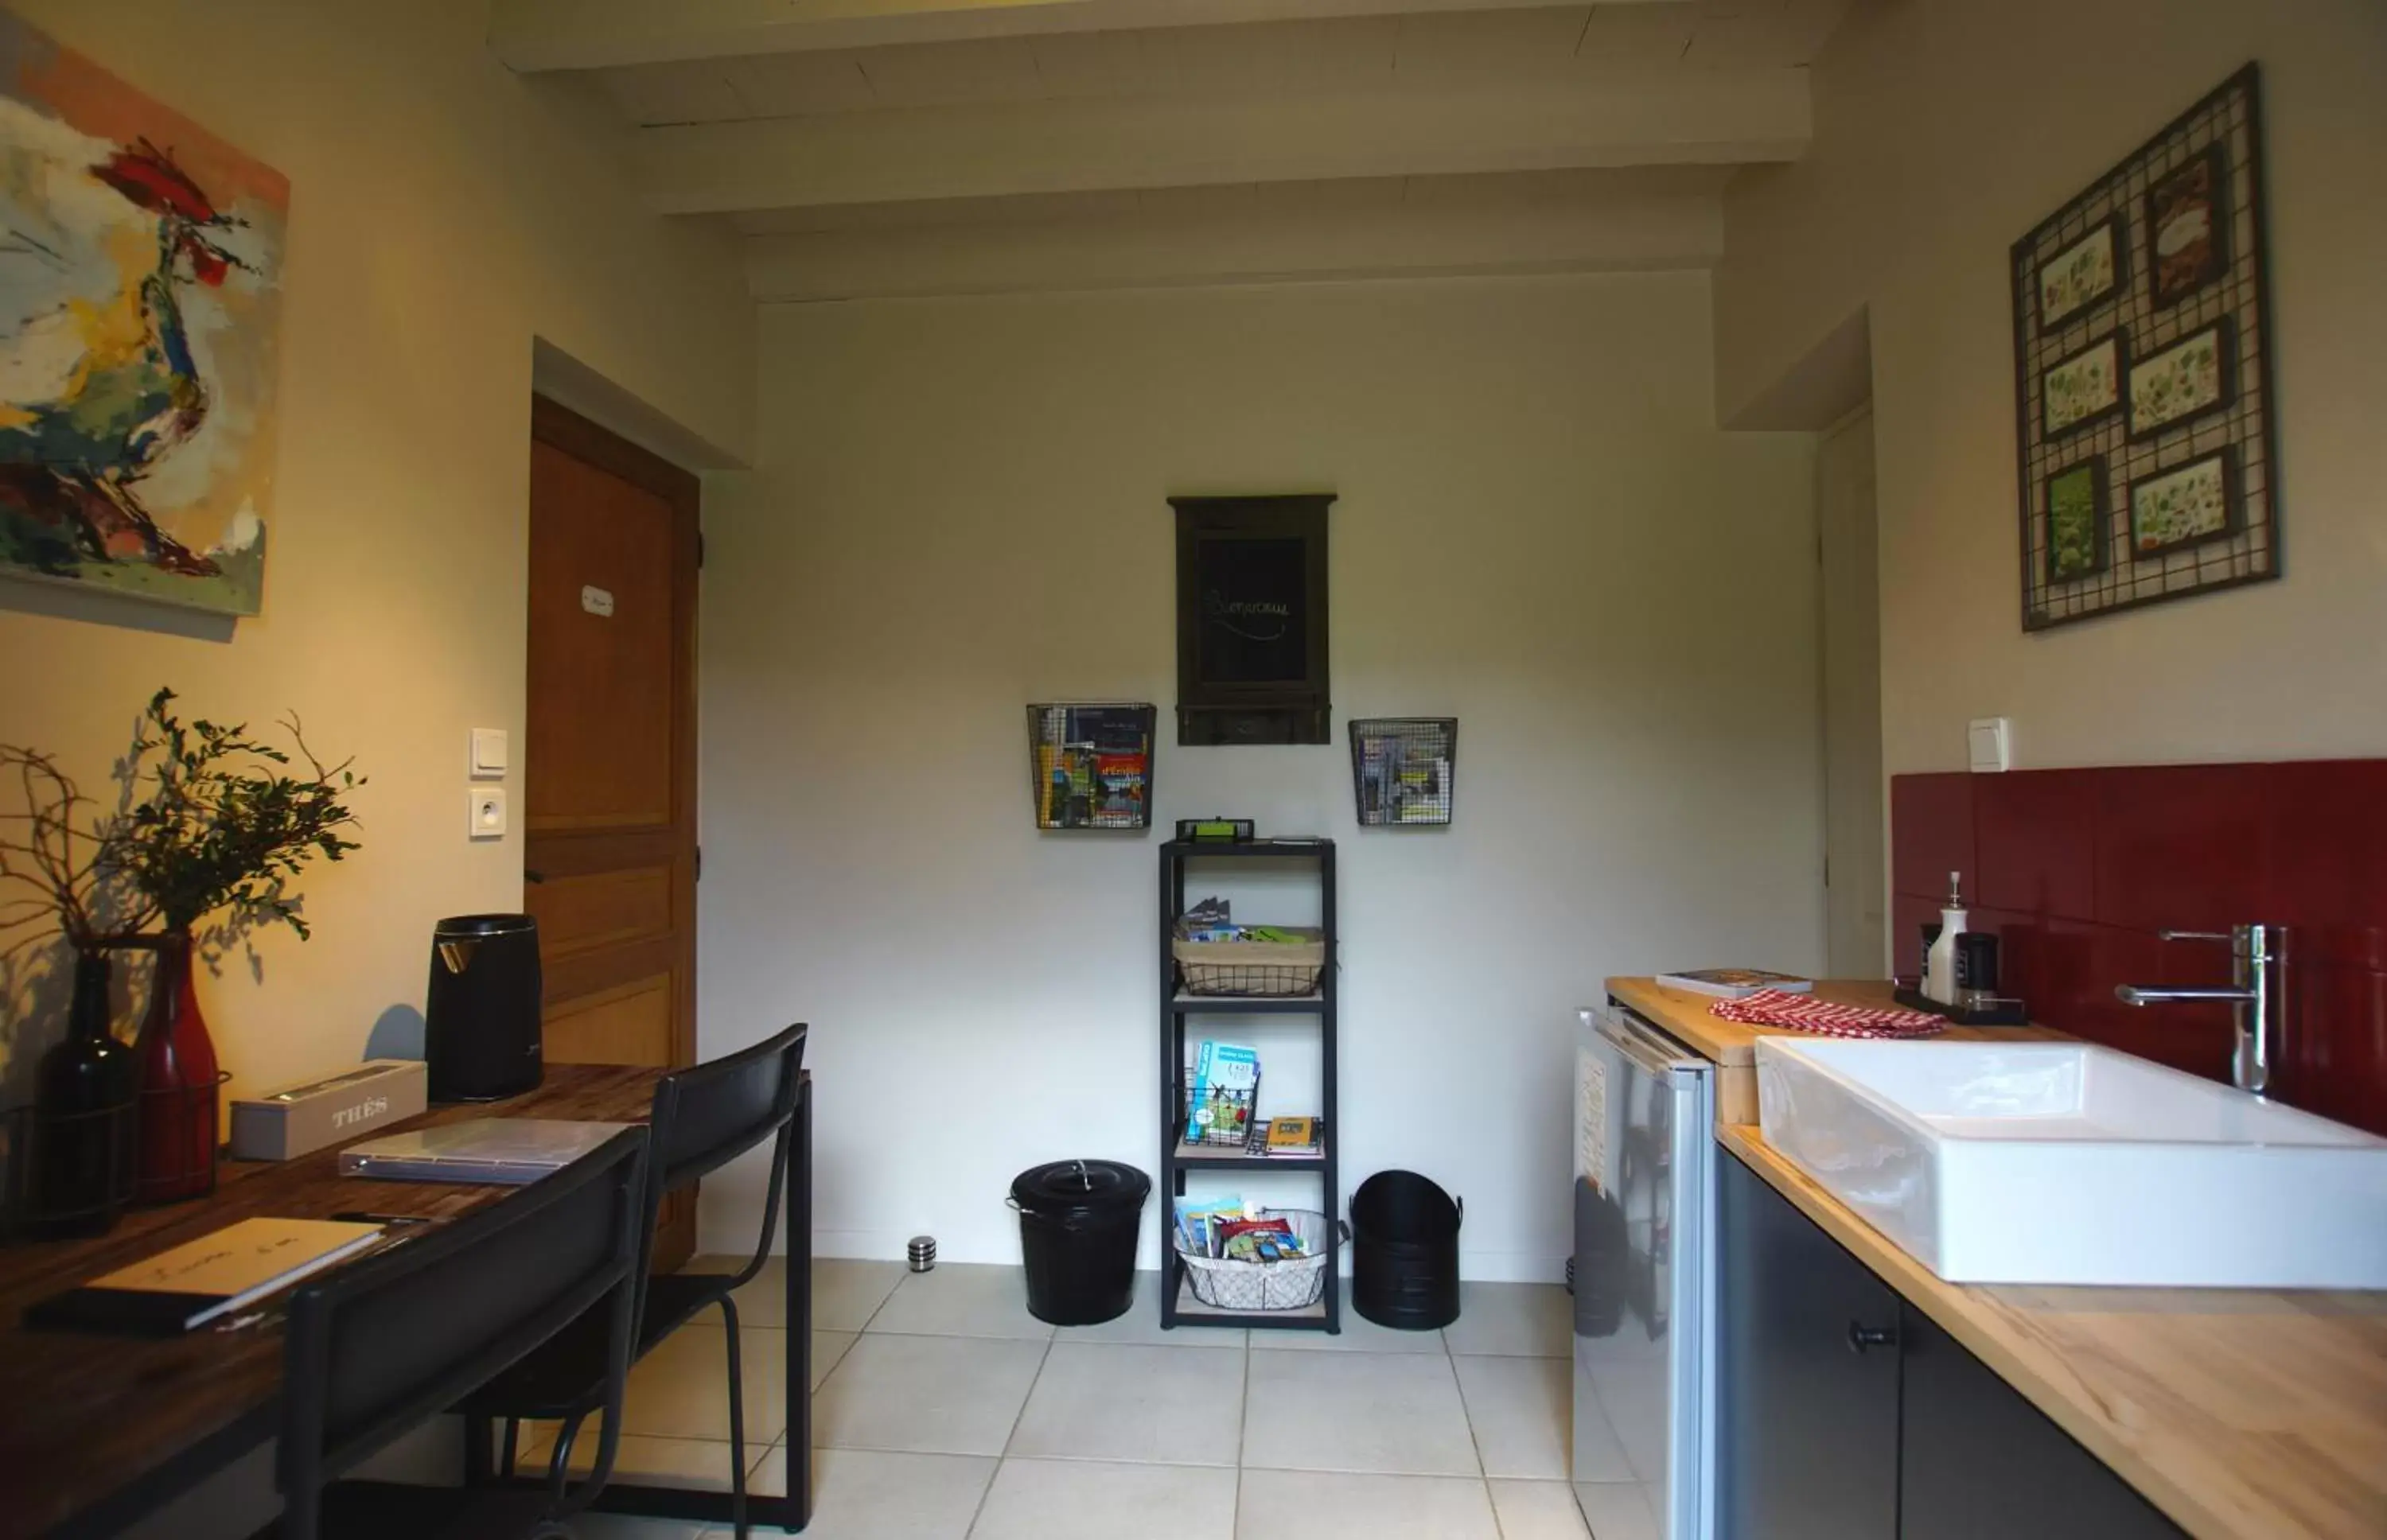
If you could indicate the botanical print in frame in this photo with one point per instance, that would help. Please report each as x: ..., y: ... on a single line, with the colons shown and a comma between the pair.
x: 2187, y: 221
x: 2082, y: 274
x: 2181, y: 383
x: 2189, y: 318
x: 2083, y: 389
x: 2194, y: 503
x: 2076, y: 521
x: 140, y: 319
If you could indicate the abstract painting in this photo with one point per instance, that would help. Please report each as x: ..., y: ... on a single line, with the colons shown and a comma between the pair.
x: 140, y: 311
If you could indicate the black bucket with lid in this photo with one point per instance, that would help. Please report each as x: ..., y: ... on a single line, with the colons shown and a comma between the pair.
x: 1405, y: 1252
x: 1078, y: 1222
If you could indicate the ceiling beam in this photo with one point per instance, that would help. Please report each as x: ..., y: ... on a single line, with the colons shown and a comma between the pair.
x: 1175, y: 247
x: 533, y: 36
x: 1690, y: 117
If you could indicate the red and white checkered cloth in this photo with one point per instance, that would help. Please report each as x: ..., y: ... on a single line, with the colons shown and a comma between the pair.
x: 1804, y: 1012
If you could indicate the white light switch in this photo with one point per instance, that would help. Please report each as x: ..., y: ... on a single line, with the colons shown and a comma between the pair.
x: 488, y: 752
x: 487, y: 805
x: 1992, y: 748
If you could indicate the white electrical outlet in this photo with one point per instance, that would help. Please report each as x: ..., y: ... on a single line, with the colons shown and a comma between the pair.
x: 1991, y: 744
x: 487, y: 759
x: 487, y: 807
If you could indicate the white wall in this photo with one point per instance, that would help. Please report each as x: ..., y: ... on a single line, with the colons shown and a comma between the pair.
x: 958, y: 509
x: 442, y: 213
x: 1944, y: 130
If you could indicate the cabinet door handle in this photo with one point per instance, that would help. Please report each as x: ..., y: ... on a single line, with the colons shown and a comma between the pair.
x: 1862, y: 1336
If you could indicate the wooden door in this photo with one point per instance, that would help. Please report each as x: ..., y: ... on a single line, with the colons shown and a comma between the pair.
x: 608, y: 755
x: 1855, y: 877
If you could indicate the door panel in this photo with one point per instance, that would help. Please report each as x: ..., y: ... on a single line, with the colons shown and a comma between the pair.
x: 1978, y: 1462
x: 608, y: 755
x: 1808, y: 1425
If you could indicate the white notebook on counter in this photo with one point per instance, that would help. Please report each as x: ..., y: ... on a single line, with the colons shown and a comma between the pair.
x: 505, y: 1152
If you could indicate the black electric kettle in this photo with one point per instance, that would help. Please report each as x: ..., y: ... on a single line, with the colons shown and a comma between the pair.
x: 480, y: 1025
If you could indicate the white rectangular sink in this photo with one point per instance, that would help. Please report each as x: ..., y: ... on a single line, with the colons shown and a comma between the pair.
x: 2062, y: 1163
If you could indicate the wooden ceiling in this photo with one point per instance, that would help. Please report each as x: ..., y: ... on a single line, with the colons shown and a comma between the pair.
x: 924, y: 146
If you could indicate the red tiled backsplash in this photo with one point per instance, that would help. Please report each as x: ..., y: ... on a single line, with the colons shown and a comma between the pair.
x: 2077, y: 870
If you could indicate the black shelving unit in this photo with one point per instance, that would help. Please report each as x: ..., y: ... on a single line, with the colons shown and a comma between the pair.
x: 1178, y: 1160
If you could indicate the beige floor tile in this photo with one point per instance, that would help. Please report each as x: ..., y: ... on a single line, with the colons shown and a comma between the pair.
x: 1537, y: 1510
x: 1125, y: 1401
x: 1142, y: 1324
x: 951, y: 1395
x: 1618, y: 1510
x: 1322, y: 1506
x: 699, y: 1463
x: 1520, y: 1410
x: 865, y: 1494
x: 829, y: 1348
x: 1040, y: 1500
x: 1358, y: 1336
x: 846, y: 1291
x: 681, y: 1388
x: 1395, y: 1413
x: 1523, y: 1321
x: 962, y: 1299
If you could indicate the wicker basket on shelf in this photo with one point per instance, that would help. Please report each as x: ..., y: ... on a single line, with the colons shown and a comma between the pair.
x: 1225, y: 1284
x: 1253, y: 969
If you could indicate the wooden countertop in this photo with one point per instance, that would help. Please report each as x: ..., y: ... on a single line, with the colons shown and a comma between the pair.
x: 1684, y: 1013
x: 2244, y: 1414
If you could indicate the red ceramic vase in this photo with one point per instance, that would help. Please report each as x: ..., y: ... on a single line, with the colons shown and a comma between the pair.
x: 178, y: 1084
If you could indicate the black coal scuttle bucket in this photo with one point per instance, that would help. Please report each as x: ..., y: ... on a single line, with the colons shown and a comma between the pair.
x: 1077, y: 1222
x: 1405, y: 1252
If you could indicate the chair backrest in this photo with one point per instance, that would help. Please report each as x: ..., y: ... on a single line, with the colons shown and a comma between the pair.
x: 377, y: 1348
x: 709, y: 1114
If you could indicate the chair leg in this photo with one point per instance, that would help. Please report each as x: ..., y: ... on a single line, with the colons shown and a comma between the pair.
x: 737, y: 1422
x: 509, y: 1453
x: 477, y: 1428
x: 559, y: 1463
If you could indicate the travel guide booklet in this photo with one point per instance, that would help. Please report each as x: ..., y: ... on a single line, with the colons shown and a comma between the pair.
x: 1734, y: 983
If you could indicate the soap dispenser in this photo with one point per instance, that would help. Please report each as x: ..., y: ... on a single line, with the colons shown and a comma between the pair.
x: 1940, y: 965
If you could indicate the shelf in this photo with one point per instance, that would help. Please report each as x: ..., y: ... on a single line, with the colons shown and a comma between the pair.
x: 1228, y: 1159
x: 1280, y: 849
x: 1249, y: 1005
x: 1191, y: 1311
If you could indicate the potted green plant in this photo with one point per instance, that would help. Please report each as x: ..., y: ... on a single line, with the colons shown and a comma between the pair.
x: 215, y: 824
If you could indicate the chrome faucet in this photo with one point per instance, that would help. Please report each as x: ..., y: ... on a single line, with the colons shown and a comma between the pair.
x: 2258, y: 955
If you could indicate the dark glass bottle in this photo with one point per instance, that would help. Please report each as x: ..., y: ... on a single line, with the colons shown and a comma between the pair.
x: 83, y: 1116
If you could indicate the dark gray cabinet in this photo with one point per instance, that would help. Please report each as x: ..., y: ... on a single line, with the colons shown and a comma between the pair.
x: 1807, y: 1419
x: 1844, y: 1413
x: 1976, y: 1461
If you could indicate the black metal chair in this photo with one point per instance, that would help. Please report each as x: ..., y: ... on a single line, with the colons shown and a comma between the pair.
x: 704, y: 1117
x: 381, y: 1346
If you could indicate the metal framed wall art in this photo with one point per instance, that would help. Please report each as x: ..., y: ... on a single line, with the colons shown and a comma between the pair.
x: 2142, y: 363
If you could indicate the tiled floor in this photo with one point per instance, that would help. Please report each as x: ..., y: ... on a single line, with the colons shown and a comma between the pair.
x: 943, y: 1411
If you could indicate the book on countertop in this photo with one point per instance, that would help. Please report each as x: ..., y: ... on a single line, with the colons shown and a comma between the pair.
x: 1734, y: 983
x: 1295, y: 1137
x: 173, y: 1292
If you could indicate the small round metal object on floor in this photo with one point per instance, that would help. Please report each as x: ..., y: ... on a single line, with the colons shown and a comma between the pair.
x: 921, y: 1253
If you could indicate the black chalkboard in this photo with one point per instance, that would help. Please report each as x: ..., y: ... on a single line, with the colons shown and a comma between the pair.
x: 1251, y: 619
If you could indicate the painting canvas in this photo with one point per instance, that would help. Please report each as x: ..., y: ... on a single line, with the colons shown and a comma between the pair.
x: 2184, y: 507
x: 2183, y: 382
x: 2080, y: 275
x: 2188, y: 231
x: 2076, y: 521
x: 2084, y: 387
x: 139, y: 333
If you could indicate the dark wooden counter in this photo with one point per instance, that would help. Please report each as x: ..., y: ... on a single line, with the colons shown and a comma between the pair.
x: 96, y: 1429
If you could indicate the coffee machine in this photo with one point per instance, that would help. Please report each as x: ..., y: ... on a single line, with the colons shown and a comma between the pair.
x: 481, y: 1026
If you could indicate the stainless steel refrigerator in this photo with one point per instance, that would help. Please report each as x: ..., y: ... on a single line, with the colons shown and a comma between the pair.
x: 1644, y: 1281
